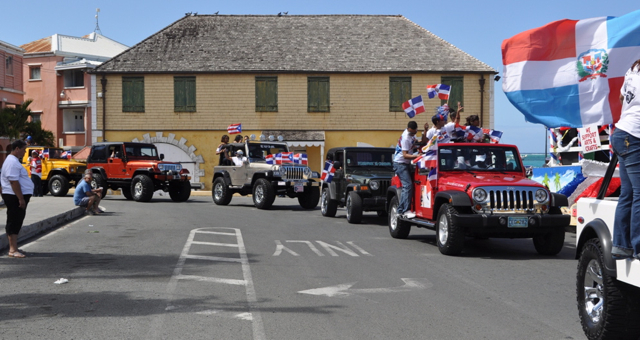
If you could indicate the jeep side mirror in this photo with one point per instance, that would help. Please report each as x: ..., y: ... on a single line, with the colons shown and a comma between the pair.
x: 161, y: 156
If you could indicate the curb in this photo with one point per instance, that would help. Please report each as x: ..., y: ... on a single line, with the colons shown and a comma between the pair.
x: 36, y: 228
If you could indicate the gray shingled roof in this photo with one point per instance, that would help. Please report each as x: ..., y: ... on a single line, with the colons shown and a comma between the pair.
x: 293, y: 43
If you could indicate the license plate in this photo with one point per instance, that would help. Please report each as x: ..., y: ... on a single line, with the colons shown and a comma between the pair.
x: 176, y: 176
x: 298, y: 187
x: 518, y: 222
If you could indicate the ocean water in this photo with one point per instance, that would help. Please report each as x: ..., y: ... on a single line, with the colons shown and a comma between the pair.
x: 535, y: 160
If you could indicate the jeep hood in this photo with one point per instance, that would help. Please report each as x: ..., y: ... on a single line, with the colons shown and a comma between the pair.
x: 364, y: 178
x: 461, y: 179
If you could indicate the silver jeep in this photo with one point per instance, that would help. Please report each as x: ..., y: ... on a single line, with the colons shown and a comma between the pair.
x: 253, y: 174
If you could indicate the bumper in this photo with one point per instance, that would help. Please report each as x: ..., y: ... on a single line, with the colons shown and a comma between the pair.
x: 498, y: 225
x: 374, y: 203
x: 292, y: 183
x: 168, y: 177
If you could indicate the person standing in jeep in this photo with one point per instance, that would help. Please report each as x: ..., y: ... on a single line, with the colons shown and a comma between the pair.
x: 402, y: 166
x: 36, y: 173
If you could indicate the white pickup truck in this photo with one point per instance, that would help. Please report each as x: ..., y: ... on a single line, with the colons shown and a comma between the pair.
x: 608, y: 291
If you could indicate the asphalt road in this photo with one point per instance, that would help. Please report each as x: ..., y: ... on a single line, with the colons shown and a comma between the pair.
x: 194, y: 270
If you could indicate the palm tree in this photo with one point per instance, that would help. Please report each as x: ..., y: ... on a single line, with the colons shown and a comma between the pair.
x: 39, y: 135
x: 13, y: 120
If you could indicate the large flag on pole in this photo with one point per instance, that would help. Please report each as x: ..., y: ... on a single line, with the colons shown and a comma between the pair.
x: 569, y: 72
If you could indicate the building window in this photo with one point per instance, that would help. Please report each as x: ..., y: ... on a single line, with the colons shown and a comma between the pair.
x: 184, y: 94
x: 8, y: 65
x: 73, y: 78
x: 34, y: 73
x: 36, y: 117
x: 73, y: 120
x: 456, y: 94
x: 266, y: 94
x: 132, y: 94
x: 399, y: 92
x: 318, y: 94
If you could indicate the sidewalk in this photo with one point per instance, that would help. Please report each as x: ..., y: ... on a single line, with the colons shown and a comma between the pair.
x: 48, y: 212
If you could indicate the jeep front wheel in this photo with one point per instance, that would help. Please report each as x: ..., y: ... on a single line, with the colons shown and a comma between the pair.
x: 549, y: 244
x: 309, y: 198
x: 58, y: 185
x: 97, y: 181
x: 142, y: 188
x: 354, y: 207
x: 221, y: 193
x: 608, y: 308
x: 179, y: 191
x: 263, y: 194
x: 126, y: 191
x: 397, y: 227
x: 450, y: 237
x: 328, y: 207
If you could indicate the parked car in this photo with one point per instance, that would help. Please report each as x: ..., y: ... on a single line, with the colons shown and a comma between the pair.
x: 607, y: 291
x: 137, y: 170
x: 265, y: 181
x: 360, y: 182
x: 481, y: 190
x: 59, y: 172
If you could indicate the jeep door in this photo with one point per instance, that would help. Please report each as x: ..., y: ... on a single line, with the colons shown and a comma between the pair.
x: 116, y: 166
x: 339, y: 177
x: 424, y: 194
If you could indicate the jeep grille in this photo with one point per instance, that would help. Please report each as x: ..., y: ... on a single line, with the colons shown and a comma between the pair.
x: 384, y: 185
x: 170, y: 167
x: 511, y: 200
x: 292, y: 172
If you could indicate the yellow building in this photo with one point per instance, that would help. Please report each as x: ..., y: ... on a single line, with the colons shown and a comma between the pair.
x: 320, y: 81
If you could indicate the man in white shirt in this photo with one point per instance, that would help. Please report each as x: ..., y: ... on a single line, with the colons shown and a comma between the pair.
x: 17, y: 189
x: 238, y: 159
x: 402, y: 167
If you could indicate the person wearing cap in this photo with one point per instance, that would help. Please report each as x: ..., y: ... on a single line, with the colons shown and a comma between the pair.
x: 450, y: 128
x: 36, y: 173
x: 438, y: 120
x: 402, y: 167
x: 238, y: 159
x: 29, y: 141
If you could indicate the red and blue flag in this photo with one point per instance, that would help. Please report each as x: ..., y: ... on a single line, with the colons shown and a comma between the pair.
x: 300, y: 158
x: 440, y: 90
x: 234, y: 128
x: 328, y: 172
x: 413, y: 106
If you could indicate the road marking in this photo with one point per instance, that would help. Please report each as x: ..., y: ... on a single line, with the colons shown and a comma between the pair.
x: 280, y: 248
x: 329, y: 248
x: 253, y: 315
x: 362, y: 251
x: 344, y: 290
x: 311, y: 246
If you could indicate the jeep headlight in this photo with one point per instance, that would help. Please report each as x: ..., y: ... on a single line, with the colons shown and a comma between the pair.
x: 374, y: 185
x: 541, y: 195
x: 72, y: 169
x: 479, y: 195
x: 307, y: 173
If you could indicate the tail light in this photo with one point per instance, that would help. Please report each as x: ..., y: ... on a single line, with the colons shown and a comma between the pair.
x: 184, y: 171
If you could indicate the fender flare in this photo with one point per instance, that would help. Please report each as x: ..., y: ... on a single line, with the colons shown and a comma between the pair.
x: 99, y: 170
x: 558, y: 200
x: 332, y: 189
x: 598, y: 229
x: 457, y: 198
x: 225, y: 176
x: 392, y: 191
x: 59, y: 171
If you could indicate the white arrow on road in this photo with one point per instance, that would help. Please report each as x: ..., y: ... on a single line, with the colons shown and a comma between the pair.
x: 344, y: 289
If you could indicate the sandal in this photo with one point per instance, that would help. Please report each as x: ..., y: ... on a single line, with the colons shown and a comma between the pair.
x: 17, y: 255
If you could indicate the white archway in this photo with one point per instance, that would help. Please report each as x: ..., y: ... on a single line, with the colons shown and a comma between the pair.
x: 176, y: 150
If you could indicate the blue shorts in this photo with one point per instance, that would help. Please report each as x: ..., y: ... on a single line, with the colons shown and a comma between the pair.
x: 84, y: 202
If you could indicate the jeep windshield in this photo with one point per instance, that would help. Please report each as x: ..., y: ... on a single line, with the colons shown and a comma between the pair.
x: 481, y: 157
x: 142, y: 151
x: 57, y: 154
x: 368, y: 160
x: 258, y: 151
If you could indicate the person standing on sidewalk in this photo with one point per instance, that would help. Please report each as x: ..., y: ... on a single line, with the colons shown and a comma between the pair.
x: 17, y: 189
x: 402, y: 167
x: 36, y: 173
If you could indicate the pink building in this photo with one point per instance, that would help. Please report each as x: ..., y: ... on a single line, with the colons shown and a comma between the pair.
x: 63, y: 93
x: 11, y: 91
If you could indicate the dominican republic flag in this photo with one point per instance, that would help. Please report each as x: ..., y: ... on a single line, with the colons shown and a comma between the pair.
x: 569, y: 72
x: 300, y: 158
x: 413, y: 106
x: 473, y: 133
x: 426, y: 161
x: 433, y: 175
x: 45, y: 153
x: 66, y: 154
x: 440, y: 90
x: 269, y: 159
x: 327, y: 172
x: 234, y: 128
x: 495, y: 136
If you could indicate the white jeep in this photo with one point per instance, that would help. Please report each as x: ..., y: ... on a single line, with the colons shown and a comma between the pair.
x: 608, y: 291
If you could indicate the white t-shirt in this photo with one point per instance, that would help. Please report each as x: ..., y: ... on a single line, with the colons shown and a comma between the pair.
x: 404, y: 144
x: 630, y: 117
x: 432, y: 132
x: 238, y: 161
x: 12, y: 170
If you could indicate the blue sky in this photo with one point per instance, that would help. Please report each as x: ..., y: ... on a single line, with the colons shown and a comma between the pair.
x: 476, y: 27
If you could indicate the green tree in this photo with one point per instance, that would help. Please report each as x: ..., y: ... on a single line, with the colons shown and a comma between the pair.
x: 13, y: 120
x: 40, y: 136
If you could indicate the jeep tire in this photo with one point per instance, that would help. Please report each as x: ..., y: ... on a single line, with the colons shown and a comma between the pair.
x: 328, y: 207
x: 397, y: 227
x: 58, y: 185
x: 549, y: 244
x: 449, y: 236
x: 126, y: 192
x: 142, y: 188
x: 97, y: 181
x: 179, y: 191
x: 310, y: 197
x: 619, y: 305
x: 221, y: 193
x: 263, y: 194
x: 354, y: 207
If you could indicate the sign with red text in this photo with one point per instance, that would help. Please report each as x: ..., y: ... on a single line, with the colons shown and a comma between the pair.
x: 590, y: 139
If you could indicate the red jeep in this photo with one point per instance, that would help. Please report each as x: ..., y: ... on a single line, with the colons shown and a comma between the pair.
x: 137, y: 170
x: 481, y: 190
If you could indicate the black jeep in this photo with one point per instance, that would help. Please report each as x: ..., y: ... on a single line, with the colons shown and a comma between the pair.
x: 360, y: 183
